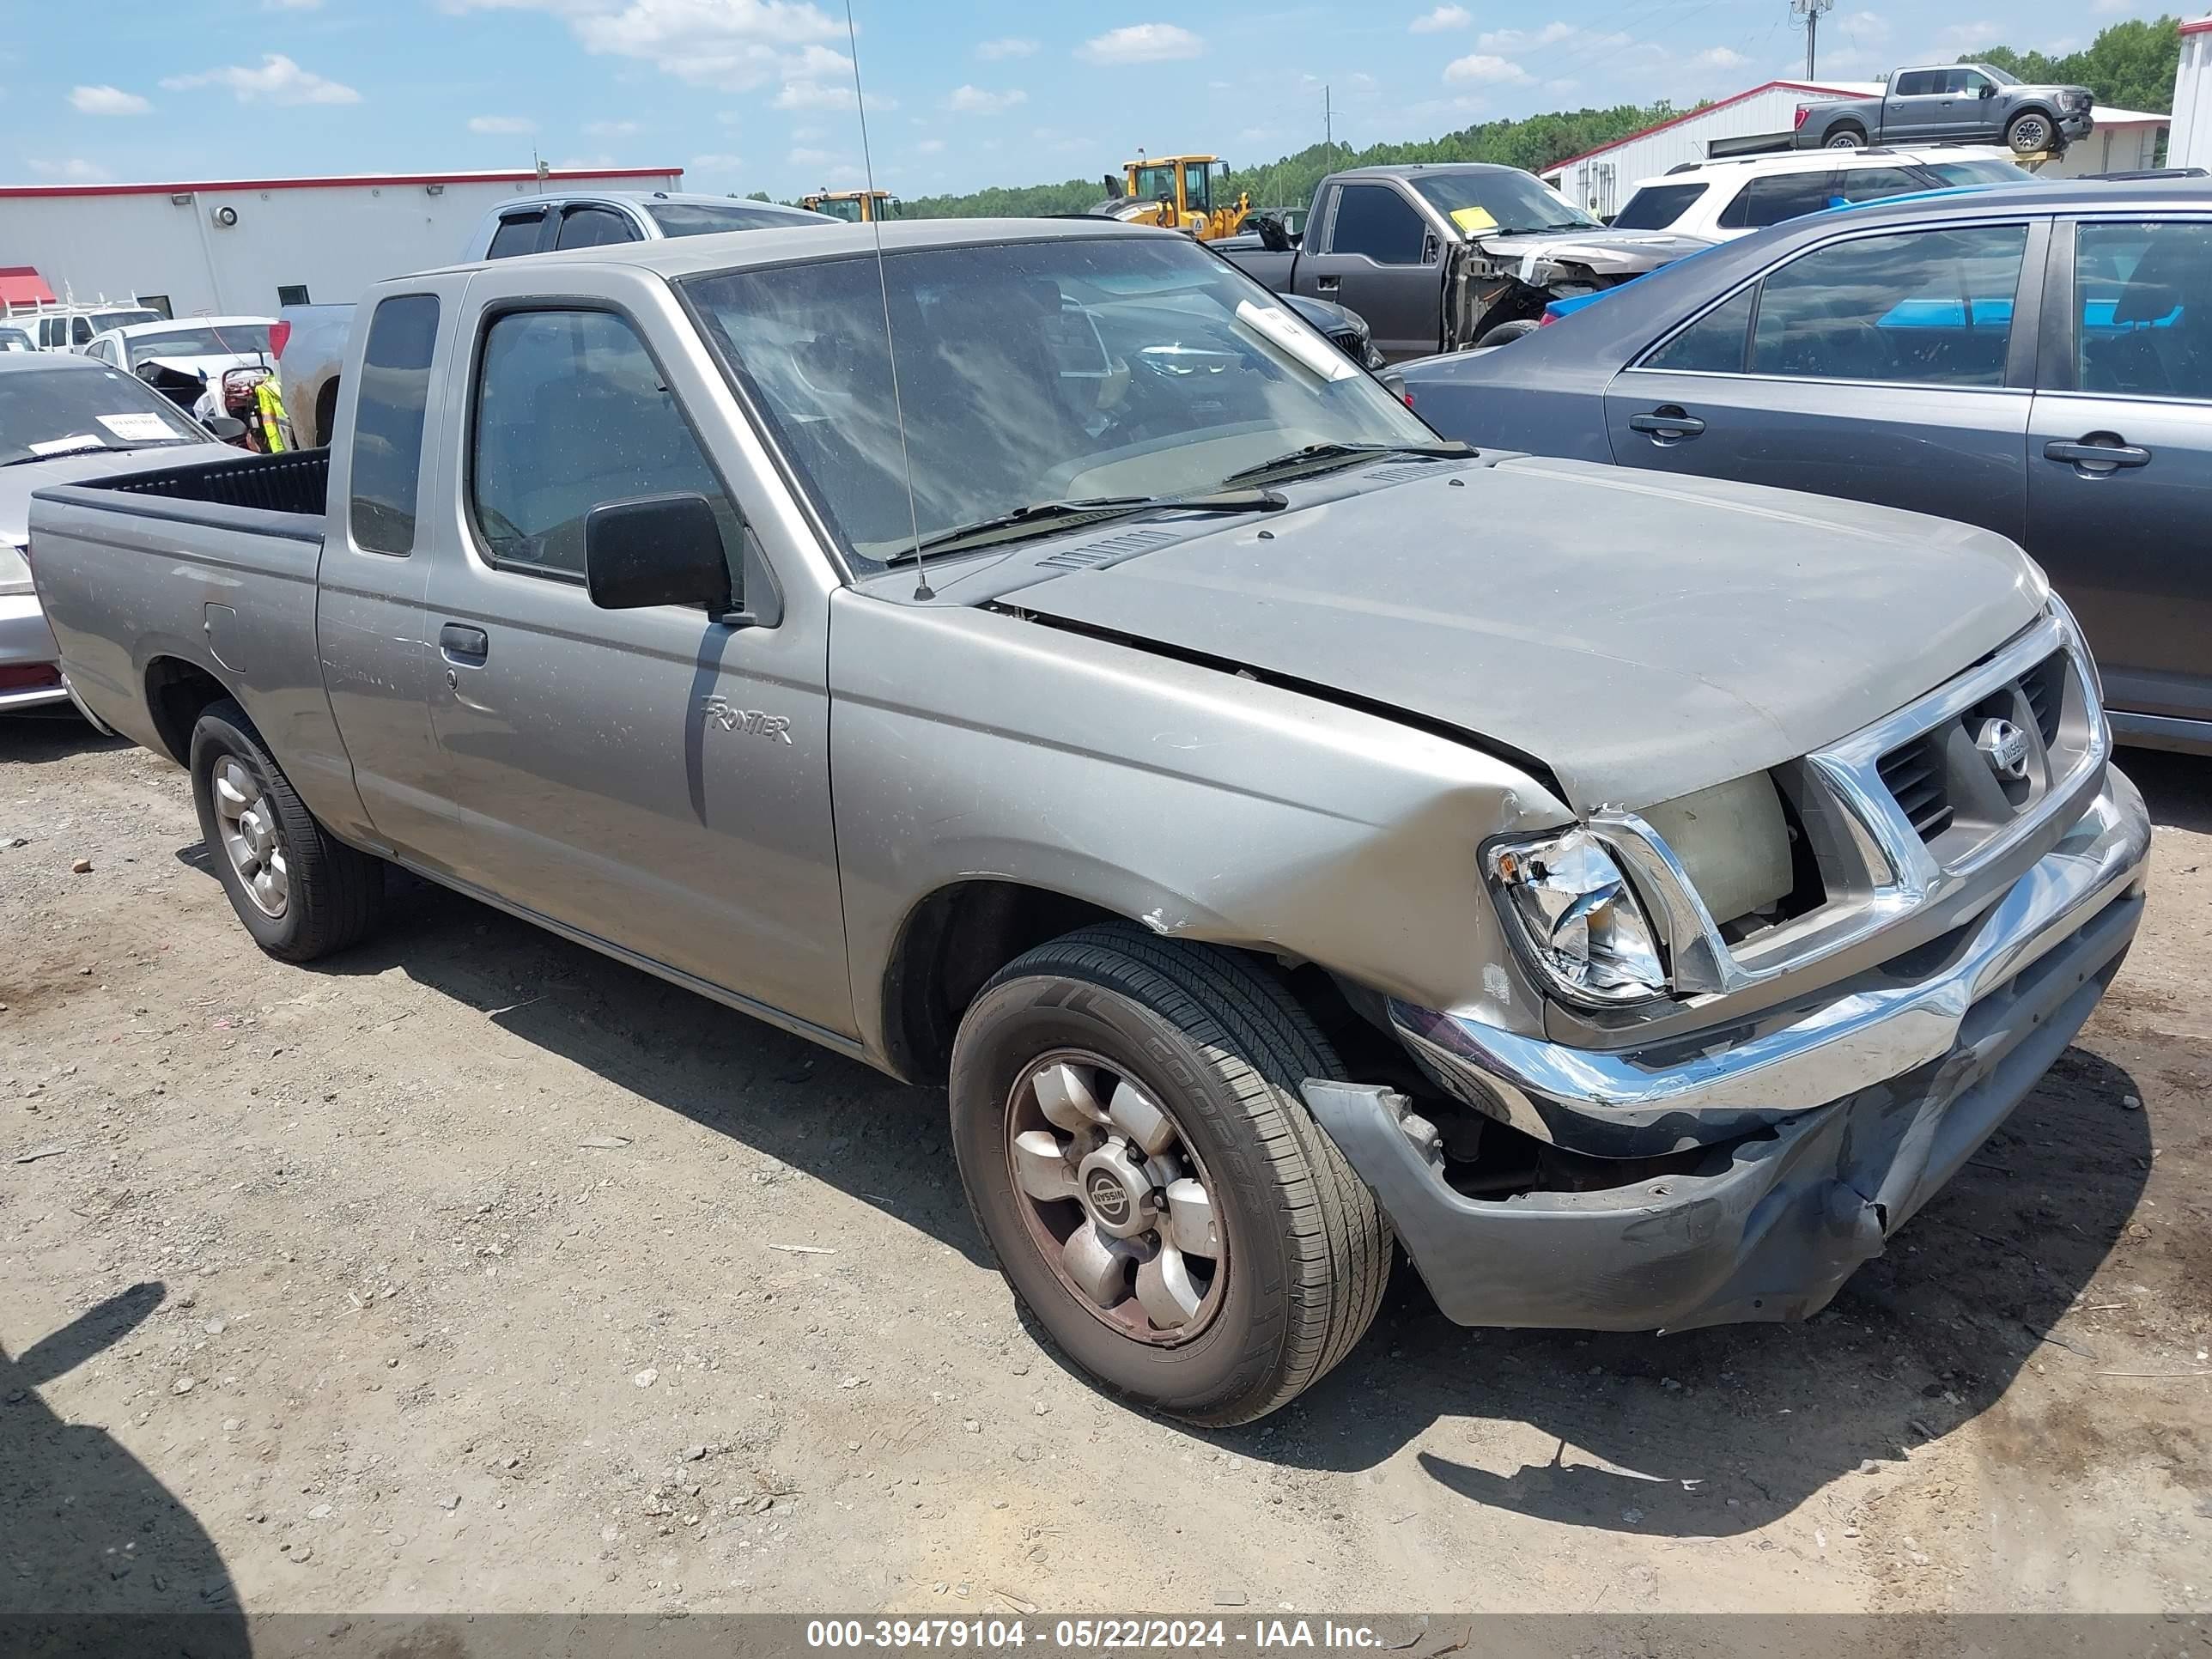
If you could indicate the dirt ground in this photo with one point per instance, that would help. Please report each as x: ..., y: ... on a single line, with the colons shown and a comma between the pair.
x: 471, y: 1271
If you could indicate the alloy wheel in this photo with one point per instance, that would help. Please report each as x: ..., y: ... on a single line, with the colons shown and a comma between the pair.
x: 246, y: 820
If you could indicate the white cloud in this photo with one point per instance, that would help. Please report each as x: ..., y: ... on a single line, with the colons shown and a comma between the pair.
x: 1011, y: 45
x: 107, y: 100
x: 974, y: 101
x: 1484, y: 68
x: 611, y: 129
x: 1142, y: 43
x: 291, y: 5
x: 717, y: 163
x: 807, y: 158
x: 1871, y: 28
x: 502, y: 124
x: 732, y: 44
x: 818, y: 78
x: 1722, y: 57
x: 1443, y: 18
x: 1522, y: 40
x: 74, y: 171
x: 930, y: 147
x: 279, y: 80
x: 813, y: 94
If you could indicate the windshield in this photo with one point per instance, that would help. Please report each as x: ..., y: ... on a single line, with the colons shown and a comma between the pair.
x: 1042, y: 371
x: 101, y: 321
x: 61, y: 410
x: 14, y: 339
x: 211, y: 340
x: 847, y: 209
x: 699, y: 219
x: 1505, y: 200
x: 1979, y: 173
x: 1998, y: 75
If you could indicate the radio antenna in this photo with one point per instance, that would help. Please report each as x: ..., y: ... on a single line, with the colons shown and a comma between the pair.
x: 874, y: 207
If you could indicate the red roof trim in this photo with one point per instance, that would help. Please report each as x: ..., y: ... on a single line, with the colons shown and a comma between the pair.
x: 2198, y: 27
x: 351, y: 181
x: 1702, y: 110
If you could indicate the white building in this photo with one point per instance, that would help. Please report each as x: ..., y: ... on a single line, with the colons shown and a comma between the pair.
x: 2192, y: 98
x: 1601, y: 180
x: 247, y: 246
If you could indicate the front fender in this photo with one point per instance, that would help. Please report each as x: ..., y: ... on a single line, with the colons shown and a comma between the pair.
x: 970, y: 745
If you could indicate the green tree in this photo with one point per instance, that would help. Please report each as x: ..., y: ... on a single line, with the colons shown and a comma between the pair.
x: 2130, y: 65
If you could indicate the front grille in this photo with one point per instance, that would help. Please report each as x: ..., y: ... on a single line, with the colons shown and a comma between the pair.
x: 2044, y: 688
x: 1914, y: 774
x: 1348, y: 341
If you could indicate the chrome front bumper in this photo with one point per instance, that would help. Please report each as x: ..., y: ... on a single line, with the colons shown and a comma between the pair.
x: 25, y: 639
x: 1712, y: 1085
x: 1838, y: 1125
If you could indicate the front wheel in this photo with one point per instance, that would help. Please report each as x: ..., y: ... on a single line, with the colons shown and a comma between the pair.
x: 1506, y: 333
x: 301, y: 892
x: 2029, y: 134
x: 1128, y: 1122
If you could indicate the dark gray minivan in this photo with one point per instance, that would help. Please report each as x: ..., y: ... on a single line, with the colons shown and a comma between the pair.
x: 2034, y: 359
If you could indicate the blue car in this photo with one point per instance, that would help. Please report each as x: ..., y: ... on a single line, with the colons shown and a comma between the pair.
x: 2034, y: 359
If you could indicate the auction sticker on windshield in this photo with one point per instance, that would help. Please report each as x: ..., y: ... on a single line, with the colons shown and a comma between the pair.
x: 1471, y: 219
x: 137, y: 428
x: 63, y: 446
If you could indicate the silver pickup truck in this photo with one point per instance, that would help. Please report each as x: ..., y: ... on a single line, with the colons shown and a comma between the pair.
x: 1284, y: 833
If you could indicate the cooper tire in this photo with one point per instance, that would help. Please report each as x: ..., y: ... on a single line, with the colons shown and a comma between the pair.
x: 330, y: 890
x: 1223, y: 1048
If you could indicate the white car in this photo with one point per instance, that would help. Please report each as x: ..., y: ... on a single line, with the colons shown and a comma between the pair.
x: 1724, y: 199
x: 194, y: 348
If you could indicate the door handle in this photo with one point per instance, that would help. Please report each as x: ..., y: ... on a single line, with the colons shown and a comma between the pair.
x: 469, y: 646
x: 1329, y: 283
x: 1667, y: 425
x: 2095, y: 458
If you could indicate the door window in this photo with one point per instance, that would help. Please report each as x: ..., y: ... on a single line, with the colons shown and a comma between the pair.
x: 571, y: 411
x: 591, y: 227
x: 1655, y: 207
x: 1711, y: 345
x: 1196, y: 193
x: 517, y: 233
x: 1965, y: 82
x: 1872, y: 184
x: 387, y: 422
x: 1917, y: 83
x: 2142, y: 294
x: 1928, y: 307
x: 1780, y: 195
x: 1375, y: 220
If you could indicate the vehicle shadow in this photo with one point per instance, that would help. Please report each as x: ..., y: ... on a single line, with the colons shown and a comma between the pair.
x: 2178, y: 788
x: 1703, y: 1433
x: 42, y: 737
x: 95, y: 1551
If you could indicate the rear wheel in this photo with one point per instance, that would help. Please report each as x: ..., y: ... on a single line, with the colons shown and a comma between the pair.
x: 1126, y: 1117
x: 301, y: 892
x: 2029, y: 134
x: 1846, y: 138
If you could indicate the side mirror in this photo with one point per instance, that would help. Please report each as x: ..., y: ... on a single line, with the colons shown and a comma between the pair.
x: 657, y: 550
x: 226, y: 429
x: 1430, y: 248
x: 1988, y: 91
x: 1272, y: 236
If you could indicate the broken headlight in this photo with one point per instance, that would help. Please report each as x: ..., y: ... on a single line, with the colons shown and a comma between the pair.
x: 1579, y: 918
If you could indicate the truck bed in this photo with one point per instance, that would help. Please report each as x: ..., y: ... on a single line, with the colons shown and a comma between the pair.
x: 297, y: 483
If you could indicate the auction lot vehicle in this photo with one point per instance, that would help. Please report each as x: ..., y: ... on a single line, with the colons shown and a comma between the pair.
x: 1176, y: 192
x: 2034, y: 358
x: 312, y: 339
x: 1963, y: 103
x: 853, y: 207
x: 1152, y: 736
x: 1438, y: 257
x: 65, y: 417
x: 1725, y: 200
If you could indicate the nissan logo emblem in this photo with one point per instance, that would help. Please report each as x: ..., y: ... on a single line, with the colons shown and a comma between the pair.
x: 2004, y: 746
x: 1109, y: 1198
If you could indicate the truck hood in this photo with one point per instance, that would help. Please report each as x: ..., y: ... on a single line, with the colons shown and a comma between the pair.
x: 17, y: 482
x: 1609, y: 252
x: 1642, y: 636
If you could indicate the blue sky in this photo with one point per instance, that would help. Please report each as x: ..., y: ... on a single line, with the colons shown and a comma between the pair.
x: 757, y: 94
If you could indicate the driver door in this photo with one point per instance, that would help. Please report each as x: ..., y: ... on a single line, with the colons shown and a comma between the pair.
x: 1383, y: 260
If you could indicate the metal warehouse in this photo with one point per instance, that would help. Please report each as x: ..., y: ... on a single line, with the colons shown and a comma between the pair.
x: 247, y: 246
x: 2192, y: 98
x: 1601, y: 180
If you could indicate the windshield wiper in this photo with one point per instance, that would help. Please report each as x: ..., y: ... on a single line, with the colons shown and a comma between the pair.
x: 84, y: 448
x: 1048, y: 518
x: 1315, y: 457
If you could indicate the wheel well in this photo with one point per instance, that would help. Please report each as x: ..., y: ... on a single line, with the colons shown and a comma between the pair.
x: 178, y: 693
x: 326, y: 411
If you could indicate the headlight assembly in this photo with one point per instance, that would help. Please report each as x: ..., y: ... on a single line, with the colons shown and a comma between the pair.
x: 1579, y: 918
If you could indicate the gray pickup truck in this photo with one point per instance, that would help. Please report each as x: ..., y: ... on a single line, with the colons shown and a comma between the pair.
x: 1150, y: 736
x: 1442, y: 255
x: 1951, y: 103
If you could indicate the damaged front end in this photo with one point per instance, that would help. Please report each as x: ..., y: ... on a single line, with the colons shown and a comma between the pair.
x: 1511, y: 278
x: 1733, y: 1120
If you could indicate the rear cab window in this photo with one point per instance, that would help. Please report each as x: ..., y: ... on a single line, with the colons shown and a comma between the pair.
x: 387, y: 424
x: 518, y: 233
x: 1655, y: 207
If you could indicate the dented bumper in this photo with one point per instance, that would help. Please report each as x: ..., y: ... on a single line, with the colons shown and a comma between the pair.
x: 1863, y: 1119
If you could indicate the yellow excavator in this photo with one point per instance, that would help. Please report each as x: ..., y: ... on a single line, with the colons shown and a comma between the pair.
x: 854, y: 207
x: 1177, y: 191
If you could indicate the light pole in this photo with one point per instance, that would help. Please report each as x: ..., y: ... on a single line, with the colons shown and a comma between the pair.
x: 1810, y: 11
